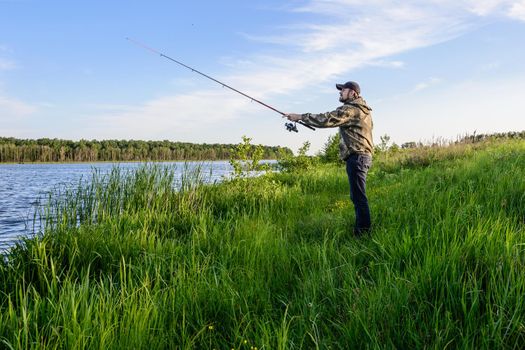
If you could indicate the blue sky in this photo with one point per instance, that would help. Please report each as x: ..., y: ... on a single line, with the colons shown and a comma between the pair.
x: 429, y: 69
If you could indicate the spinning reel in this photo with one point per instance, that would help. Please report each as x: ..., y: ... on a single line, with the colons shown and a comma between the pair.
x: 291, y: 127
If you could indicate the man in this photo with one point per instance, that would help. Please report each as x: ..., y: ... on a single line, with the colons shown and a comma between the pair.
x: 354, y: 119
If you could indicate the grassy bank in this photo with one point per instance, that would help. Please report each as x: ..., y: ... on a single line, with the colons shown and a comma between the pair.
x: 270, y: 263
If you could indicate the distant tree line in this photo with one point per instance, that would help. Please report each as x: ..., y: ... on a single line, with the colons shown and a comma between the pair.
x: 56, y: 150
x: 499, y: 135
x: 474, y: 138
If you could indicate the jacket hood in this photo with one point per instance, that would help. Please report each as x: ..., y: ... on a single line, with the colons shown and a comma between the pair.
x: 361, y: 104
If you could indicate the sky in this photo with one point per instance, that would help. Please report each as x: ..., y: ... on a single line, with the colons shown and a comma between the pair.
x: 431, y: 70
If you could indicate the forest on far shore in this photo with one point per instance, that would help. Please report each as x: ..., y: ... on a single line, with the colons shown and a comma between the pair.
x: 13, y: 150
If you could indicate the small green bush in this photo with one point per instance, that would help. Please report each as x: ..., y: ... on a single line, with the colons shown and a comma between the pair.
x: 300, y: 162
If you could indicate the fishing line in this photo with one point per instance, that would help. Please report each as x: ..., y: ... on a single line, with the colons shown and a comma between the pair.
x: 289, y: 126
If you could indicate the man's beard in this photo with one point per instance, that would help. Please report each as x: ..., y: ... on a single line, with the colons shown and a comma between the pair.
x: 350, y: 98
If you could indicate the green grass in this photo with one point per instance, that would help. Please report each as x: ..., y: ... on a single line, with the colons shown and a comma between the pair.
x: 271, y: 263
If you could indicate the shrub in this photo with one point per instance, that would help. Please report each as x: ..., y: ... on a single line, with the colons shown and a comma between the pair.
x: 299, y: 162
x: 330, y: 152
x: 246, y: 159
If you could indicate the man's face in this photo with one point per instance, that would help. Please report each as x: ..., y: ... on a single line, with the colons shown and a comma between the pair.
x: 345, y: 94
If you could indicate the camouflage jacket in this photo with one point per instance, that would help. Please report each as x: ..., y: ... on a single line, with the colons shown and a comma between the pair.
x: 354, y: 119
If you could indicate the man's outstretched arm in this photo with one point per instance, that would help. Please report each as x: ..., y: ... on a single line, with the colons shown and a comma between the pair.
x: 324, y: 120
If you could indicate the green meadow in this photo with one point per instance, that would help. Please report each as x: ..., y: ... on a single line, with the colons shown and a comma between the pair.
x: 129, y: 262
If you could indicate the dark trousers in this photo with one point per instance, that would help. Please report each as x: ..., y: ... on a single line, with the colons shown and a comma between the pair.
x: 357, y: 166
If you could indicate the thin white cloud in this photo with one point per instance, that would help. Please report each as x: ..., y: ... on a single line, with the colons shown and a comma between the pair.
x: 349, y: 35
x: 387, y: 64
x: 517, y: 10
x: 6, y: 64
x: 401, y: 96
x: 15, y: 107
x: 180, y: 114
x: 11, y: 107
x: 491, y: 66
x: 343, y: 36
x: 454, y: 7
x: 426, y: 84
x: 487, y: 7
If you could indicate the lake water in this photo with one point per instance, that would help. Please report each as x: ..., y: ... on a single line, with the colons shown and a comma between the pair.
x: 21, y: 185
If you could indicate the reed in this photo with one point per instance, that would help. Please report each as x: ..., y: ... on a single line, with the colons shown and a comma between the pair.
x: 129, y: 260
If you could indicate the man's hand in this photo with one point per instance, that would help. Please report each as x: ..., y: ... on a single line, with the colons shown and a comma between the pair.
x: 293, y: 117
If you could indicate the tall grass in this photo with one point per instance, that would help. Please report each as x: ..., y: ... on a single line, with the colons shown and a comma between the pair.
x: 129, y: 261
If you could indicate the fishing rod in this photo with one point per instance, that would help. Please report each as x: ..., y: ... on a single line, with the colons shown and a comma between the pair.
x: 289, y: 126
